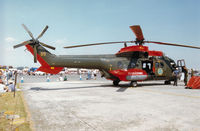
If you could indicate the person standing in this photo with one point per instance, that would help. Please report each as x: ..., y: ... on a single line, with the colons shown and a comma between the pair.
x: 11, y: 86
x: 95, y: 74
x: 79, y: 72
x: 6, y: 76
x: 185, y: 70
x: 1, y: 74
x: 65, y: 78
x: 89, y: 75
x: 192, y: 72
x: 176, y: 75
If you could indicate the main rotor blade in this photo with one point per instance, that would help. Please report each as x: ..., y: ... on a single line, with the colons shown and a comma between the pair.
x: 171, y: 44
x: 30, y: 34
x: 22, y: 44
x: 35, y: 53
x: 48, y: 46
x: 99, y: 44
x: 41, y: 34
x: 138, y: 32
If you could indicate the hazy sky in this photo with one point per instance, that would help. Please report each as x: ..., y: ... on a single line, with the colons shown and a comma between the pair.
x: 87, y: 21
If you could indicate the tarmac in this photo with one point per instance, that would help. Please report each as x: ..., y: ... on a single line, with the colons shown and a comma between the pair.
x: 96, y: 105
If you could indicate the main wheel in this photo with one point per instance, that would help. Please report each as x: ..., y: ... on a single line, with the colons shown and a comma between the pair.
x: 133, y: 84
x: 167, y: 82
x: 116, y: 82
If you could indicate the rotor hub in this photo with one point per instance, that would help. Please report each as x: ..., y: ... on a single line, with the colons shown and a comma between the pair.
x: 34, y: 42
x: 139, y: 42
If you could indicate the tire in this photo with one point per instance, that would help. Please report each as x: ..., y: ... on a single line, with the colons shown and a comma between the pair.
x: 116, y: 82
x: 133, y: 84
x: 167, y: 82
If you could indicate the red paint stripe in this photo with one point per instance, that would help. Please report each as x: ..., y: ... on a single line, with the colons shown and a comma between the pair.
x: 122, y: 74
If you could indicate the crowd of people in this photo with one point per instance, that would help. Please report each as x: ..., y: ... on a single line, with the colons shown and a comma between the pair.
x: 7, y: 80
x: 7, y: 76
x: 91, y: 74
x: 177, y: 74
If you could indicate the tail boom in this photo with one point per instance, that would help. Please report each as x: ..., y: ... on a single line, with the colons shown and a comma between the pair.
x: 45, y: 67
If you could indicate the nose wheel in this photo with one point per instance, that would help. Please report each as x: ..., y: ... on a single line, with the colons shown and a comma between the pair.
x: 133, y: 84
x: 116, y: 82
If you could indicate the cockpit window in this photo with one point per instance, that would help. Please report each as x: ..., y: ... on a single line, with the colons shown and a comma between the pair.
x: 120, y: 65
x: 132, y: 63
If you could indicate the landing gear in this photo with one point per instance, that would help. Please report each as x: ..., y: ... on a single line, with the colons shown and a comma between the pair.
x: 133, y: 84
x: 167, y: 82
x: 116, y: 82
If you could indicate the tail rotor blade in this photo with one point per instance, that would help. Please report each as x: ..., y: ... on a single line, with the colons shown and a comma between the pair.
x: 48, y: 46
x: 27, y: 30
x: 41, y: 34
x: 138, y: 32
x: 35, y: 54
x: 22, y: 44
x: 171, y: 44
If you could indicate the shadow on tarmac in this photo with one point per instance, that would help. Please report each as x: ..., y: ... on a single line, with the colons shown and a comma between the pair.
x: 120, y: 88
x: 67, y: 88
x: 124, y: 87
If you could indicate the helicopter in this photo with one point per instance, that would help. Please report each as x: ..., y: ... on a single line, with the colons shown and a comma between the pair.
x: 131, y: 63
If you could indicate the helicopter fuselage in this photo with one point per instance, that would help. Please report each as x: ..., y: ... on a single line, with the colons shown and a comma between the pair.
x: 113, y: 67
x: 131, y: 63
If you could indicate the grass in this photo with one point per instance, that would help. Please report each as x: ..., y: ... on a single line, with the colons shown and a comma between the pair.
x: 10, y: 106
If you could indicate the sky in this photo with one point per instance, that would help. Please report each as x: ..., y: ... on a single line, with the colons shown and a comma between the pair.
x: 73, y: 22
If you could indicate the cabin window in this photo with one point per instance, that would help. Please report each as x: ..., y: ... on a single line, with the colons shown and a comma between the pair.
x: 161, y: 64
x: 144, y: 65
x: 147, y: 66
x: 173, y: 64
x: 157, y: 65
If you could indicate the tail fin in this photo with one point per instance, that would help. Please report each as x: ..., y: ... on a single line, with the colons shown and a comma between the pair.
x: 41, y: 55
